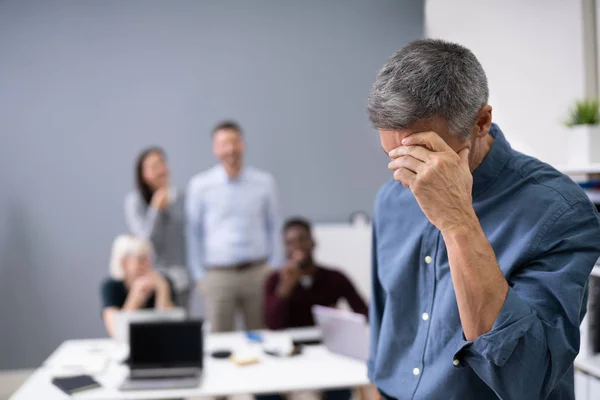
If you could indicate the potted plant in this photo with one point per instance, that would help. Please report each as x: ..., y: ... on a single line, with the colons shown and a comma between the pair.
x: 584, y: 138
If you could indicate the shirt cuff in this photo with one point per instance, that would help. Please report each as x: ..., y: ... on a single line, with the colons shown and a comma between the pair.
x: 371, y: 369
x: 513, y: 322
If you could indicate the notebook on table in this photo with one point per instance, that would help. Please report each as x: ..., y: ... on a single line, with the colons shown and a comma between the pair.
x: 75, y: 384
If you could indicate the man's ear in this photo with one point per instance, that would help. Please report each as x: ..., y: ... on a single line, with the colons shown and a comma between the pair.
x: 484, y: 121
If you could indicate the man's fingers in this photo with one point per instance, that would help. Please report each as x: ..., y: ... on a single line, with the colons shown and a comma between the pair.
x: 405, y: 176
x: 419, y: 152
x: 430, y: 139
x: 407, y: 162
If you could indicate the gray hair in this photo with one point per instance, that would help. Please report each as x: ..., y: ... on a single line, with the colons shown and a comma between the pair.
x: 124, y: 246
x: 429, y: 78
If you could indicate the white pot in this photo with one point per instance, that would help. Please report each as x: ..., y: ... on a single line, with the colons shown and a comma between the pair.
x: 584, y: 145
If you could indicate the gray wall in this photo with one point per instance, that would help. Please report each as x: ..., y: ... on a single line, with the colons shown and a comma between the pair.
x: 85, y: 84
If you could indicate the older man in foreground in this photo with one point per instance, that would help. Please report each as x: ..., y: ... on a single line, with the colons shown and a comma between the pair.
x: 481, y: 254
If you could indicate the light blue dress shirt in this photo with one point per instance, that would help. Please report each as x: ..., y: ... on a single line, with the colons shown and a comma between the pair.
x: 546, y: 236
x: 232, y: 221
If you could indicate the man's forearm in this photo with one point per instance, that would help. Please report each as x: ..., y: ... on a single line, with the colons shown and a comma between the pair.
x: 479, y: 284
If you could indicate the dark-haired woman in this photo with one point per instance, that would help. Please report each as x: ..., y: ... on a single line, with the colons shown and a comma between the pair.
x: 156, y: 212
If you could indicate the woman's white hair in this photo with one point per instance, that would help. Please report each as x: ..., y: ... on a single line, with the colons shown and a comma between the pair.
x: 124, y: 246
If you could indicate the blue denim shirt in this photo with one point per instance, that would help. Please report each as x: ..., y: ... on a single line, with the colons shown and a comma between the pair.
x: 546, y: 236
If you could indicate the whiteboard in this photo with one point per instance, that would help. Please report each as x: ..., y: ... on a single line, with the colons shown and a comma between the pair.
x: 348, y: 248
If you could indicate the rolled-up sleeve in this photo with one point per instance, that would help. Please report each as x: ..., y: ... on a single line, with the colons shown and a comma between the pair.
x: 535, y: 337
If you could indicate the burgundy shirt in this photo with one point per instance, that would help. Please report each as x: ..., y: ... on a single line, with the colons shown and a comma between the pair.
x: 329, y: 286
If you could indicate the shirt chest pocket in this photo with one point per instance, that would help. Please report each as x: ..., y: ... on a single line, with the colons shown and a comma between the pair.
x: 233, y: 202
x: 244, y: 204
x: 251, y: 204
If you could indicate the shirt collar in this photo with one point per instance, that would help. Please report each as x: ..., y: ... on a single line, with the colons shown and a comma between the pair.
x: 493, y: 163
x: 223, y: 177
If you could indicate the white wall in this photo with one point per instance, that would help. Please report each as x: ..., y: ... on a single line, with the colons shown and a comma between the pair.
x: 532, y: 52
x: 84, y: 85
x: 348, y: 248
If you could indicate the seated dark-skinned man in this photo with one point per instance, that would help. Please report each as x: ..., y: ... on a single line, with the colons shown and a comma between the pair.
x: 291, y: 292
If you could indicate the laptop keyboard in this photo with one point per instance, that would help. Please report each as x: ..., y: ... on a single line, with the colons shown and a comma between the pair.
x: 160, y: 383
x: 171, y: 377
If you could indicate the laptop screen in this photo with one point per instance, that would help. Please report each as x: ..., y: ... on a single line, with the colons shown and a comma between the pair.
x: 165, y: 344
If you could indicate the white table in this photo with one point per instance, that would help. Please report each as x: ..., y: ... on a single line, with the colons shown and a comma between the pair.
x: 315, y: 369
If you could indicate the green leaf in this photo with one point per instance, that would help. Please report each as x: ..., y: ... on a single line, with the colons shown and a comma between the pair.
x: 585, y: 112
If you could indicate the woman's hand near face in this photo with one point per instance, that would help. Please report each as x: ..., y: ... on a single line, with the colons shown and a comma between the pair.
x: 160, y: 198
x: 159, y: 282
x: 141, y: 290
x: 145, y: 283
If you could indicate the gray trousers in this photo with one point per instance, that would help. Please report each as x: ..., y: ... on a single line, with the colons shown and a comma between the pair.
x: 228, y: 291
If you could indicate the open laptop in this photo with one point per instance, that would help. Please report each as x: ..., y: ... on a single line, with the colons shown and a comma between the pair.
x: 125, y: 318
x: 343, y: 332
x: 164, y: 355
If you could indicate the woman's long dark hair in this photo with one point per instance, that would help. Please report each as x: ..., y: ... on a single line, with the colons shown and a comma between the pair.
x: 145, y: 190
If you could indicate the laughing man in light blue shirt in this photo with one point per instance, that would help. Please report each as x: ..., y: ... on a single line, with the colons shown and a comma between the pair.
x: 233, y: 232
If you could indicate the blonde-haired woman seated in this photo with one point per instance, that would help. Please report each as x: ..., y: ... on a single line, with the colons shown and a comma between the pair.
x: 133, y: 284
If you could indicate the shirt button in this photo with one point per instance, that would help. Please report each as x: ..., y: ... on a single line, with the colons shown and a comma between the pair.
x: 428, y: 259
x: 425, y: 316
x: 416, y: 371
x: 456, y: 362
